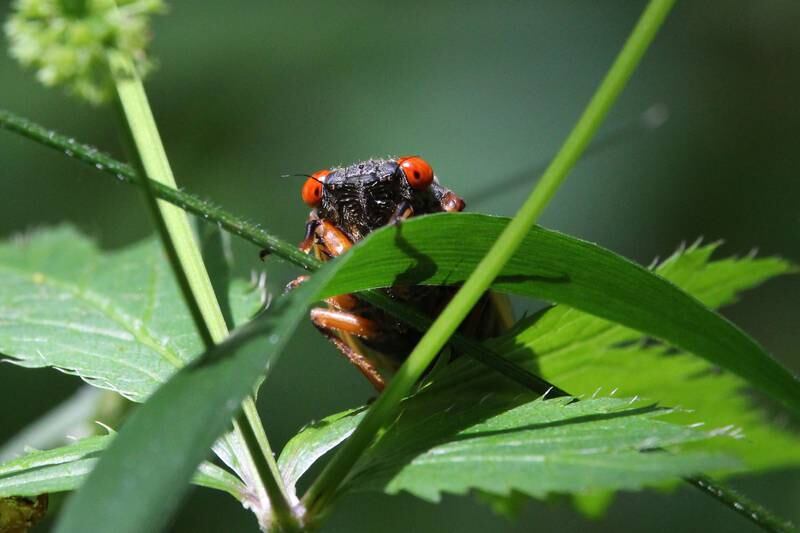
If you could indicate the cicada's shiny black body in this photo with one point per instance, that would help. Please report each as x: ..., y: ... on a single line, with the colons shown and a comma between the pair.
x: 350, y: 202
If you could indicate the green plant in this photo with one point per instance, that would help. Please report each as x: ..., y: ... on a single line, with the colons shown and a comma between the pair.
x: 393, y: 445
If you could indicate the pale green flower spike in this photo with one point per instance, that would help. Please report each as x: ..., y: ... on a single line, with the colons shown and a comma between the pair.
x: 66, y: 41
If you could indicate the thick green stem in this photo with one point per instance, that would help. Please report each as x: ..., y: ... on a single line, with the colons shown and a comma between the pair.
x: 385, y: 408
x: 187, y: 264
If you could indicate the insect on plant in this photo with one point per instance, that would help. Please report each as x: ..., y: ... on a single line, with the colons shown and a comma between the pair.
x: 347, y: 204
x: 415, y: 294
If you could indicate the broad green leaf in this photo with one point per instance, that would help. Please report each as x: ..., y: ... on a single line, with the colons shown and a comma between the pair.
x: 196, y: 404
x: 762, y: 441
x: 457, y: 441
x: 115, y: 319
x: 583, y: 353
x: 65, y: 468
x: 537, y: 448
x: 444, y: 249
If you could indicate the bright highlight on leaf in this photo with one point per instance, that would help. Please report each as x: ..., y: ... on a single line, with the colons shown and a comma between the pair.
x: 65, y: 41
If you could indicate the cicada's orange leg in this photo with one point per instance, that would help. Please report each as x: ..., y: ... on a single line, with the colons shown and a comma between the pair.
x: 327, y: 241
x: 330, y: 322
x: 333, y: 241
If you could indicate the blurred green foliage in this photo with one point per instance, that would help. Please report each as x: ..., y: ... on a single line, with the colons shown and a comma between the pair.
x: 486, y: 91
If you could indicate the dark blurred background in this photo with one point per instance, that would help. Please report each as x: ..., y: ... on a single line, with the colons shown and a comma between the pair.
x: 485, y: 91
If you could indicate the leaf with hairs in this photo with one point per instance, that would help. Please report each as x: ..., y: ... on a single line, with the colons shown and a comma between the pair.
x: 115, y: 319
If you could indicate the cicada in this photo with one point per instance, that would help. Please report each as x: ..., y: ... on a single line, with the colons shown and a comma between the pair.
x: 347, y: 204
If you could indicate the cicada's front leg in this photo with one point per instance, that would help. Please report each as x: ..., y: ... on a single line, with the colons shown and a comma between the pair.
x: 341, y: 319
x: 332, y: 324
x: 403, y: 211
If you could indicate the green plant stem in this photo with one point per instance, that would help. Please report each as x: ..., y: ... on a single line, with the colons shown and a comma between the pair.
x: 749, y: 509
x: 187, y: 264
x: 385, y: 408
x: 125, y: 173
x: 256, y: 235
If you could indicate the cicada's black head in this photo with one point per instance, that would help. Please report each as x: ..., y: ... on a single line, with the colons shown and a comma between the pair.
x: 367, y: 195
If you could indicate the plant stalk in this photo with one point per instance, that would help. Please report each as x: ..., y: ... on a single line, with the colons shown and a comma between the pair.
x: 749, y: 509
x: 187, y: 264
x: 385, y: 408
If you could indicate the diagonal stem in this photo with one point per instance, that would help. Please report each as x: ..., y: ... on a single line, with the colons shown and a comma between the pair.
x: 187, y: 264
x: 752, y: 511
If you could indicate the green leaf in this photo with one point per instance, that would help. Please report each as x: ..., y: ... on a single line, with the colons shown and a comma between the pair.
x: 65, y: 468
x: 461, y: 439
x: 116, y: 319
x: 62, y: 455
x: 314, y: 441
x: 583, y: 353
x: 443, y: 249
x: 538, y: 448
x: 713, y: 399
x: 196, y: 405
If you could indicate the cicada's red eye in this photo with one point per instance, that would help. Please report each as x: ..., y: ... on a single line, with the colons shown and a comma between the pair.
x: 312, y: 188
x: 417, y: 171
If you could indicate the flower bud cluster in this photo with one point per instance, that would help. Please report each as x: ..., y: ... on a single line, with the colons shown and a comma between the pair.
x: 66, y: 41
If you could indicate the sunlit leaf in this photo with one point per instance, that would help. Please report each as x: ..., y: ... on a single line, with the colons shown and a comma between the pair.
x: 115, y: 319
x: 584, y: 354
x: 196, y: 404
x: 537, y: 448
x: 455, y: 441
